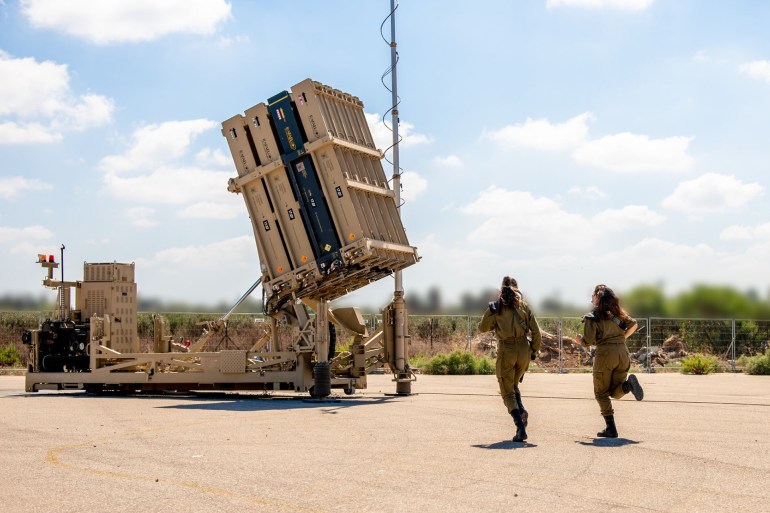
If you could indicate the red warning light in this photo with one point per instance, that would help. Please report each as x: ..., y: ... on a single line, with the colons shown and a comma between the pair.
x: 50, y: 258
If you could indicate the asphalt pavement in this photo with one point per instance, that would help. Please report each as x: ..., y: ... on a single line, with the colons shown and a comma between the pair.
x: 695, y: 443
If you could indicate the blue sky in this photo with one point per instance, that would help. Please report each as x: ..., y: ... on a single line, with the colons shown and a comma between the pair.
x: 564, y: 142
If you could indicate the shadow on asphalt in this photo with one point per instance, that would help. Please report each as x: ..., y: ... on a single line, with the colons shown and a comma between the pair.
x: 222, y: 401
x: 607, y: 442
x: 265, y: 403
x: 506, y: 445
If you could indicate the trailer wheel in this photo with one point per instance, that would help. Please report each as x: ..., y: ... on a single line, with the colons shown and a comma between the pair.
x: 94, y: 389
x: 323, y: 380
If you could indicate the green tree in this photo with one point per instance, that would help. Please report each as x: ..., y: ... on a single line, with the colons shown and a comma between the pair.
x: 646, y: 301
x: 713, y: 302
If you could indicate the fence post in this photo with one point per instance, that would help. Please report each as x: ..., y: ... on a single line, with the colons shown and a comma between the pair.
x: 468, y: 324
x: 733, y: 343
x: 649, y: 340
x: 561, y: 345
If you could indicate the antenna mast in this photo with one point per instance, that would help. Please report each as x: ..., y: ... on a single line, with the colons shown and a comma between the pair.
x: 399, y: 288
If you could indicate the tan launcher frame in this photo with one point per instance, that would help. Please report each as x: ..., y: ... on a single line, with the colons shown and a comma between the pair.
x: 325, y: 222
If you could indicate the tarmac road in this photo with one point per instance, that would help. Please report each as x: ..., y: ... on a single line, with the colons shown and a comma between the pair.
x: 696, y: 443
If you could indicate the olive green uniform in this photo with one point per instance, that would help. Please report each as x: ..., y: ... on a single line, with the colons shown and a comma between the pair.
x: 611, y: 361
x: 514, y: 350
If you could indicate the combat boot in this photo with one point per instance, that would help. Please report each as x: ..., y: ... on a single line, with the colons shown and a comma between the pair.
x: 632, y: 385
x: 610, y: 431
x: 524, y: 414
x: 521, y: 433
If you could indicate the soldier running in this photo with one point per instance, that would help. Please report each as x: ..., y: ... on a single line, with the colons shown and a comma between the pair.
x: 511, y: 318
x: 607, y: 327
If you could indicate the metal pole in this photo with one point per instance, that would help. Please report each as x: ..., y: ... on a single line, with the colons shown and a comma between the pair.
x: 403, y: 381
x: 468, y: 329
x: 394, y: 119
x: 733, y: 344
x: 241, y: 300
x: 561, y: 344
x: 61, y: 287
x: 649, y: 345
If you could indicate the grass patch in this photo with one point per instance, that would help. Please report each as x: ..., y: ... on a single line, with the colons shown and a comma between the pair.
x: 10, y: 356
x: 456, y: 363
x: 699, y: 363
x: 757, y: 365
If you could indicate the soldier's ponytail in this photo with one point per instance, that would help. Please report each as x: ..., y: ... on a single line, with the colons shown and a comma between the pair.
x: 510, y: 297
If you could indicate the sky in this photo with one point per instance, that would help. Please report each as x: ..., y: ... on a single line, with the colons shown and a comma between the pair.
x: 563, y: 142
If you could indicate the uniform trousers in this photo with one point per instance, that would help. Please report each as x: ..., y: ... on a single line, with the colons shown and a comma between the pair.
x: 611, y: 366
x: 512, y: 363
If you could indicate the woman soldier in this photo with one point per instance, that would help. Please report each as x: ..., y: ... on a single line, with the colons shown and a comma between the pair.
x: 511, y: 319
x: 607, y: 327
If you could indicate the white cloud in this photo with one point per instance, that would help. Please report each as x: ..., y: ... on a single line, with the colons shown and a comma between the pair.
x: 712, y: 193
x: 759, y: 70
x: 29, y: 233
x: 737, y: 232
x: 630, y: 153
x: 12, y: 186
x: 456, y: 259
x: 625, y: 5
x: 238, y: 250
x: 215, y: 158
x: 543, y: 135
x: 664, y: 253
x: 678, y: 265
x: 91, y: 110
x: 587, y: 193
x: 154, y: 145
x: 214, y: 210
x: 701, y: 56
x: 628, y: 217
x: 449, y: 161
x: 383, y: 136
x: 413, y: 185
x: 38, y: 104
x: 31, y: 133
x: 622, y: 152
x: 118, y: 21
x: 156, y: 169
x: 31, y: 88
x: 141, y: 217
x: 518, y: 219
x: 227, y: 41
x: 169, y: 185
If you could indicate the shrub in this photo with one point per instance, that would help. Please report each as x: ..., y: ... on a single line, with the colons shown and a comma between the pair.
x: 9, y: 356
x: 758, y: 365
x: 459, y: 363
x: 699, y: 363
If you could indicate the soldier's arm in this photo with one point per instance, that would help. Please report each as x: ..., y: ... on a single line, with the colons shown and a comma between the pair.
x: 487, y: 321
x: 537, y: 339
x: 633, y: 327
x: 589, y: 331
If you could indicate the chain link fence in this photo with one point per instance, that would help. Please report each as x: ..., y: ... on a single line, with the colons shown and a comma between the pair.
x: 658, y: 344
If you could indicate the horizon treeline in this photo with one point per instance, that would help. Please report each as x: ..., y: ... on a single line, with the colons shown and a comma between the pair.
x: 700, y: 301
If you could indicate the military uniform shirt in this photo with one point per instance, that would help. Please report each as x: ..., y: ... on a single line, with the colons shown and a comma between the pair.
x: 509, y: 326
